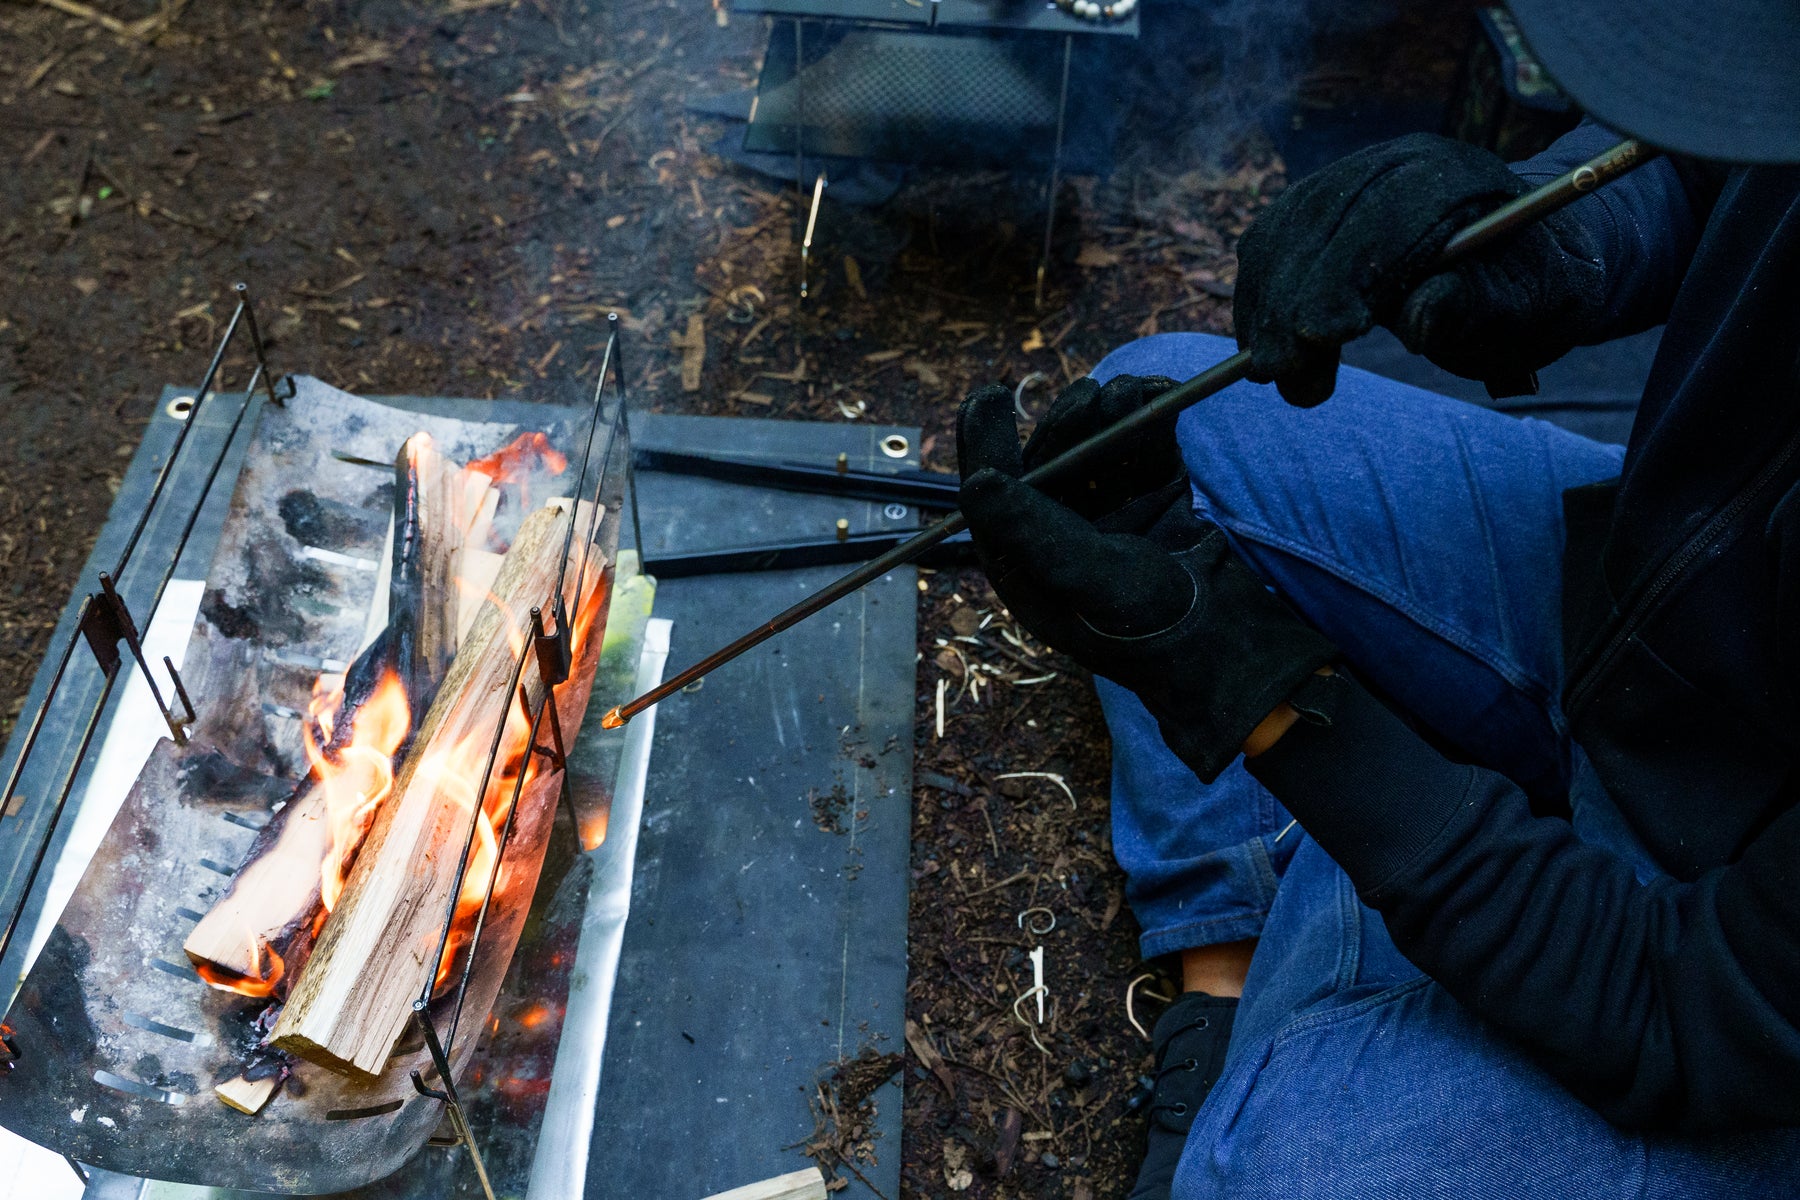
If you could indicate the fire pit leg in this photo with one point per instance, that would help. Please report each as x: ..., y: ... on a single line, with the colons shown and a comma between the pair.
x: 458, y: 1119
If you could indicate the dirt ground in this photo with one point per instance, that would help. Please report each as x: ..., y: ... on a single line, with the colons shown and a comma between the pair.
x: 448, y: 197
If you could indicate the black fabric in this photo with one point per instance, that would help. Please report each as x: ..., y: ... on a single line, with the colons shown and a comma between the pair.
x: 1715, y: 79
x: 1674, y: 1004
x: 1350, y: 247
x: 1161, y: 606
x: 1189, y: 1044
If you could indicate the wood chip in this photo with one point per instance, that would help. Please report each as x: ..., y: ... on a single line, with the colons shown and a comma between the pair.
x: 929, y: 1058
x: 692, y: 345
x: 247, y: 1095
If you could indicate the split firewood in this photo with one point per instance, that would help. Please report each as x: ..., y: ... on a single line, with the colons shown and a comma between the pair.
x: 258, y: 933
x: 247, y: 1095
x: 265, y: 919
x: 796, y: 1185
x: 378, y: 950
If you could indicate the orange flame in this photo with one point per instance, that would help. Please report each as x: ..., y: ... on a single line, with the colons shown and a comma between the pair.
x: 357, y: 775
x: 258, y: 985
x: 526, y: 455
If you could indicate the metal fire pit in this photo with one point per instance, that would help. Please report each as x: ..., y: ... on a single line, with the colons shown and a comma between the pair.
x: 114, y: 1042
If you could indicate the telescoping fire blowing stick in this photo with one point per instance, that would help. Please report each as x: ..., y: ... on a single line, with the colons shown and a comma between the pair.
x: 1503, y: 221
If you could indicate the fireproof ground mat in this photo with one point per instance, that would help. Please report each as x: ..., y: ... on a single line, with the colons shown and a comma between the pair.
x: 767, y: 938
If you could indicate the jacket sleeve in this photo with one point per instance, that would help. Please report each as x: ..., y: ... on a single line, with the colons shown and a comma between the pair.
x: 1662, y: 1005
x: 1648, y: 223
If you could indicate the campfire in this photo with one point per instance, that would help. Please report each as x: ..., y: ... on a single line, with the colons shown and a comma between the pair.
x: 388, y: 666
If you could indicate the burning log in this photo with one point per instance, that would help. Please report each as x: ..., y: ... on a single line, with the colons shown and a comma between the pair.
x: 379, y: 949
x: 257, y: 935
x: 430, y: 519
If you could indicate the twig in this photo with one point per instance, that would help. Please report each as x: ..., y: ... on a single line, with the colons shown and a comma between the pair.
x: 93, y: 16
x: 137, y: 30
x: 993, y: 838
x: 1020, y: 877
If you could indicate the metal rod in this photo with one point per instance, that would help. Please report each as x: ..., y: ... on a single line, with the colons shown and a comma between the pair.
x: 637, y: 529
x: 500, y: 845
x: 1505, y: 220
x: 587, y: 452
x: 459, y: 1121
x: 256, y: 343
x: 56, y: 812
x: 162, y: 476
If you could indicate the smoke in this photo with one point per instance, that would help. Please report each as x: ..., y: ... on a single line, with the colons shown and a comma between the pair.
x: 1213, y: 74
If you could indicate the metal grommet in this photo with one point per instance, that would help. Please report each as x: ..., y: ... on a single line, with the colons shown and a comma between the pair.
x: 895, y: 445
x: 1179, y: 1108
x: 894, y: 512
x: 180, y: 407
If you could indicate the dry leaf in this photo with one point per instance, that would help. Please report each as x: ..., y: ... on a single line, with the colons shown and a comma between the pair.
x: 853, y: 273
x: 1033, y: 341
x: 1093, y: 255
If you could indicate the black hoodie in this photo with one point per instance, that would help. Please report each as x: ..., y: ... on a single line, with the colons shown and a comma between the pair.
x: 1673, y: 1004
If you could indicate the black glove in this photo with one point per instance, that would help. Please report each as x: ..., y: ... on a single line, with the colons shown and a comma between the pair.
x: 1351, y: 247
x: 1118, y: 573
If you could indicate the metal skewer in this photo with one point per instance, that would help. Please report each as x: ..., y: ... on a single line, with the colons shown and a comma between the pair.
x: 1502, y: 222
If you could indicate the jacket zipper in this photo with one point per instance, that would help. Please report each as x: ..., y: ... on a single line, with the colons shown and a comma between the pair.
x: 1708, y: 536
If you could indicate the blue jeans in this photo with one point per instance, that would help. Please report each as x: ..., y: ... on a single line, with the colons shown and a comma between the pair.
x: 1424, y: 537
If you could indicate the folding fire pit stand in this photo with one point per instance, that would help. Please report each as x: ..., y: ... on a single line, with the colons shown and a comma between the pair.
x: 767, y: 899
x: 110, y: 1051
x: 946, y: 82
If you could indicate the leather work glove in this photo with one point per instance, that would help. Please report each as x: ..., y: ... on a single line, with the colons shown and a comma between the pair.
x: 1350, y: 247
x: 1117, y: 572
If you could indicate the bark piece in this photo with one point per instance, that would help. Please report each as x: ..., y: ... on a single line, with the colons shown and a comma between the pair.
x: 423, y: 596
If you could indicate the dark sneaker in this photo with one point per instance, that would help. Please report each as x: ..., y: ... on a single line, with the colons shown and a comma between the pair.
x: 1189, y: 1039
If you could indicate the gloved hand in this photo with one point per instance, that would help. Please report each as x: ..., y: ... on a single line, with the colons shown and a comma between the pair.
x: 1118, y: 573
x: 1350, y: 247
